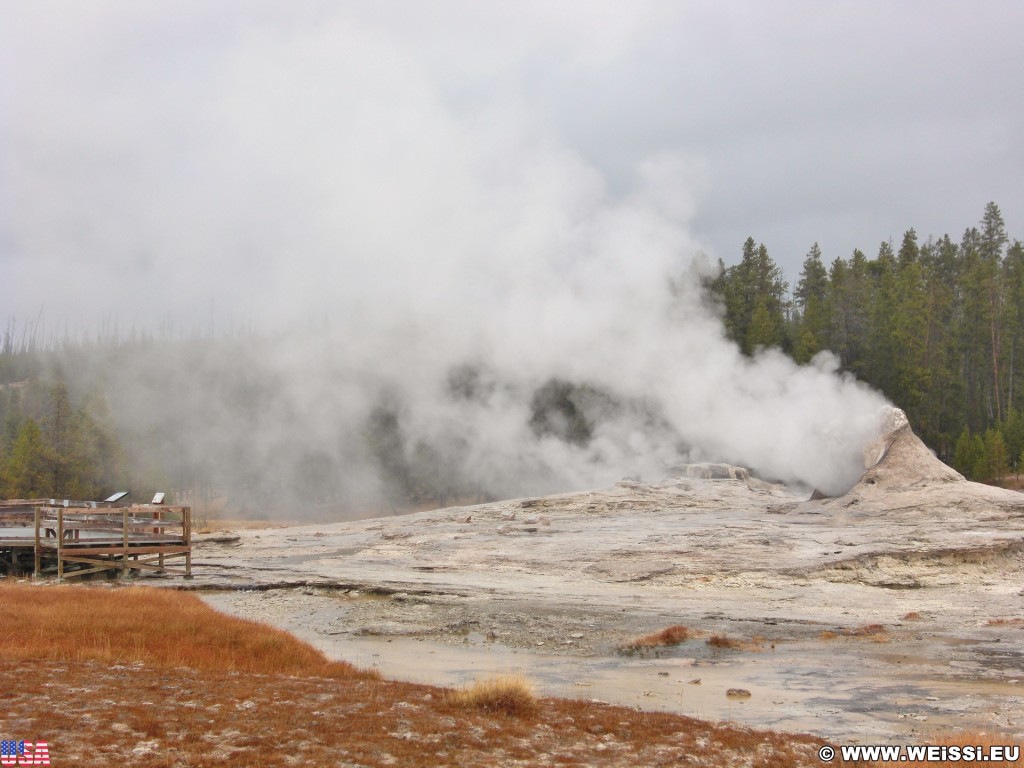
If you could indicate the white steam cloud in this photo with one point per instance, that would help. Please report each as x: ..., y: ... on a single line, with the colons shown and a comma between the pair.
x: 395, y: 242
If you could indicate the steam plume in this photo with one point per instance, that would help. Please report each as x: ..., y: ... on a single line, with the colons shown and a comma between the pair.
x: 436, y: 282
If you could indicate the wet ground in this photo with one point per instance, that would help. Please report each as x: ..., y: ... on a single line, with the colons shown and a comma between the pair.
x: 892, y: 612
x: 886, y: 687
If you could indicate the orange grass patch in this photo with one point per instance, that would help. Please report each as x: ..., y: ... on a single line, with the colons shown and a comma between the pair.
x: 722, y: 641
x: 157, y: 627
x: 876, y: 633
x: 667, y: 637
x: 865, y: 630
x: 1016, y: 622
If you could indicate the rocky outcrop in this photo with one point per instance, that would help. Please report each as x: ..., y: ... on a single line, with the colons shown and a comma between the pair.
x: 710, y: 471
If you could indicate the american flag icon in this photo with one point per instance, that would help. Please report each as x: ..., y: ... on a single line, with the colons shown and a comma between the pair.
x: 18, y: 752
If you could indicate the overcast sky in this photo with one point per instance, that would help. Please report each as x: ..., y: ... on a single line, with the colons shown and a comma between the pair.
x: 190, y: 154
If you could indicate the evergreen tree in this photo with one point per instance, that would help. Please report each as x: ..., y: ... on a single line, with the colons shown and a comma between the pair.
x: 764, y: 330
x: 27, y: 464
x: 966, y: 455
x: 996, y: 465
x: 729, y: 291
x: 979, y: 471
x: 835, y: 307
x: 813, y: 283
x: 811, y: 297
x: 907, y: 331
x: 753, y: 290
x: 848, y: 309
x: 975, y: 340
x: 1013, y: 434
x: 1013, y: 324
x: 940, y: 415
x: 990, y: 244
x: 57, y: 427
x: 882, y: 350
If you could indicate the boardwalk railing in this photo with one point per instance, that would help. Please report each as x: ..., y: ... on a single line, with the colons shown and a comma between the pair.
x: 142, y: 538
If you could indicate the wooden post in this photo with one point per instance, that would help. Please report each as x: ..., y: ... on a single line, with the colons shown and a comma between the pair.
x: 158, y: 531
x: 125, y: 573
x: 35, y: 572
x: 60, y: 543
x: 186, y: 529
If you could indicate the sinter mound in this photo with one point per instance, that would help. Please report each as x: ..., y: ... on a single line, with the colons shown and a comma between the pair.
x: 899, y: 460
x: 903, y: 475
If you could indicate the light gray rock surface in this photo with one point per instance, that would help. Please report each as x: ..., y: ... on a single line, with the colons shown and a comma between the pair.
x: 733, y: 555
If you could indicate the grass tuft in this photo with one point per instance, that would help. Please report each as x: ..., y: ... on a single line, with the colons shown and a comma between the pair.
x: 876, y: 633
x: 865, y: 630
x: 667, y: 637
x: 722, y: 641
x: 510, y: 695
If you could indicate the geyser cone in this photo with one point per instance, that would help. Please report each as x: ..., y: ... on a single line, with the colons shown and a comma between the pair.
x: 899, y: 460
x: 896, y: 460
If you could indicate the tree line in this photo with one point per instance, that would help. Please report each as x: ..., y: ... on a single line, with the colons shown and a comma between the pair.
x: 937, y: 326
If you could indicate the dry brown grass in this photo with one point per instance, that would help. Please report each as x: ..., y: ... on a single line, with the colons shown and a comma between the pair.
x: 723, y: 641
x: 677, y: 634
x: 865, y: 630
x: 157, y: 627
x: 668, y: 637
x: 510, y: 695
x: 150, y: 718
x: 912, y: 616
x: 876, y: 633
x: 673, y: 635
x: 1013, y: 482
x: 1015, y: 622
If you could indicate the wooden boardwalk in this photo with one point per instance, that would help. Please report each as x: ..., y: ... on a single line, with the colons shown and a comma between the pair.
x: 76, y: 541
